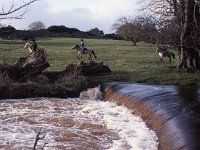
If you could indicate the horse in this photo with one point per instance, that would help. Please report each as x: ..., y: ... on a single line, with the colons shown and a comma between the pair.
x: 164, y: 52
x: 90, y: 52
x: 39, y: 48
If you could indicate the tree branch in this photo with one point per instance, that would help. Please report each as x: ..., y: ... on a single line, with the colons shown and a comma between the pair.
x: 39, y: 138
x: 13, y: 9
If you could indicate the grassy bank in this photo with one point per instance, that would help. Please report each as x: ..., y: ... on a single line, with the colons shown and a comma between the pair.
x: 128, y: 63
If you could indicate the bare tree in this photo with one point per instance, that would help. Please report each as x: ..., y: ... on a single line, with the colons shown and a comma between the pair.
x: 140, y: 28
x: 13, y: 9
x: 123, y: 27
x: 129, y: 29
x: 37, y: 25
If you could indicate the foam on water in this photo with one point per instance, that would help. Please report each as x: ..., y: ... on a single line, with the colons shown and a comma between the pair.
x: 79, y: 123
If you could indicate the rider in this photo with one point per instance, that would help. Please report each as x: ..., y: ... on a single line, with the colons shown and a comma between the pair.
x: 82, y: 46
x: 34, y: 45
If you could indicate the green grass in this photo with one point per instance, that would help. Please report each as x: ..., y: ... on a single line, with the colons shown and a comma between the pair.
x: 128, y: 63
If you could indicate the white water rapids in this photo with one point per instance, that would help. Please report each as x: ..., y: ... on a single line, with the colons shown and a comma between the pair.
x: 84, y: 123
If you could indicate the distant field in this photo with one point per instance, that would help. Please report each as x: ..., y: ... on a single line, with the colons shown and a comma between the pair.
x: 128, y: 63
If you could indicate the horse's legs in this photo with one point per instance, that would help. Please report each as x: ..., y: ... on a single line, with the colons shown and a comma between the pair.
x: 81, y: 57
x: 162, y: 59
x: 78, y: 57
x: 90, y: 57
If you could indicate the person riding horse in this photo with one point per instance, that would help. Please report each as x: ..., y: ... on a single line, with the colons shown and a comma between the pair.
x: 35, y: 49
x: 164, y: 52
x: 80, y: 51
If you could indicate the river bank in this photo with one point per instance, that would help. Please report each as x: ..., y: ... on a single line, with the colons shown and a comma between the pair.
x: 62, y: 84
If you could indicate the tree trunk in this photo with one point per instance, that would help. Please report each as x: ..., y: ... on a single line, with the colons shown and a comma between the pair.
x: 189, y: 55
x: 26, y: 67
x: 134, y: 42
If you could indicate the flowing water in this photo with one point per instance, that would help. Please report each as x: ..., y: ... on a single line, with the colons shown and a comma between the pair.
x: 84, y: 123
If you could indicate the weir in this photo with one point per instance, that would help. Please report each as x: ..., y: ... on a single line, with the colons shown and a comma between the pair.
x: 173, y: 112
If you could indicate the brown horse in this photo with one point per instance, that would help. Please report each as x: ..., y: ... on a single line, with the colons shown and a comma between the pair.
x: 90, y: 52
x: 164, y: 52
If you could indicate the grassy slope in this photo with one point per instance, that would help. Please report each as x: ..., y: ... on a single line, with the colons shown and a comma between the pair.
x: 128, y: 63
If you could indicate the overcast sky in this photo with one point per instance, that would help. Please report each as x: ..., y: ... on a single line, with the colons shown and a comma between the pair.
x: 81, y: 14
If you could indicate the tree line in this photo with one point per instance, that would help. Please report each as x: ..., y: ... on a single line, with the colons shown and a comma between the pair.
x: 38, y: 29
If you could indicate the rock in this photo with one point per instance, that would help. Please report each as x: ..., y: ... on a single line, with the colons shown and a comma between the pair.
x: 88, y: 69
x: 41, y: 79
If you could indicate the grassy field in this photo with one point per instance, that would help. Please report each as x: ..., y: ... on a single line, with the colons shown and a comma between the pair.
x: 128, y: 63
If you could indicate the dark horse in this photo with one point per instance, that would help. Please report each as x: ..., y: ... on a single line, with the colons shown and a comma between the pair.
x: 90, y: 52
x: 164, y: 52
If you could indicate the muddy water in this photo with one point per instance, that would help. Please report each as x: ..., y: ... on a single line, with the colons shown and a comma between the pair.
x: 84, y: 123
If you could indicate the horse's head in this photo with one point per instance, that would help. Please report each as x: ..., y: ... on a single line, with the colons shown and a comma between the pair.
x: 161, y: 49
x: 158, y: 49
x: 27, y: 45
x: 76, y: 46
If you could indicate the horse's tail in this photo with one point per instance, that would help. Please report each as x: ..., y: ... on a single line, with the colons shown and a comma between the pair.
x: 94, y: 54
x: 173, y: 55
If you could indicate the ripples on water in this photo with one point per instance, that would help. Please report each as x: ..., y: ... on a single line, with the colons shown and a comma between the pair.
x: 84, y: 123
